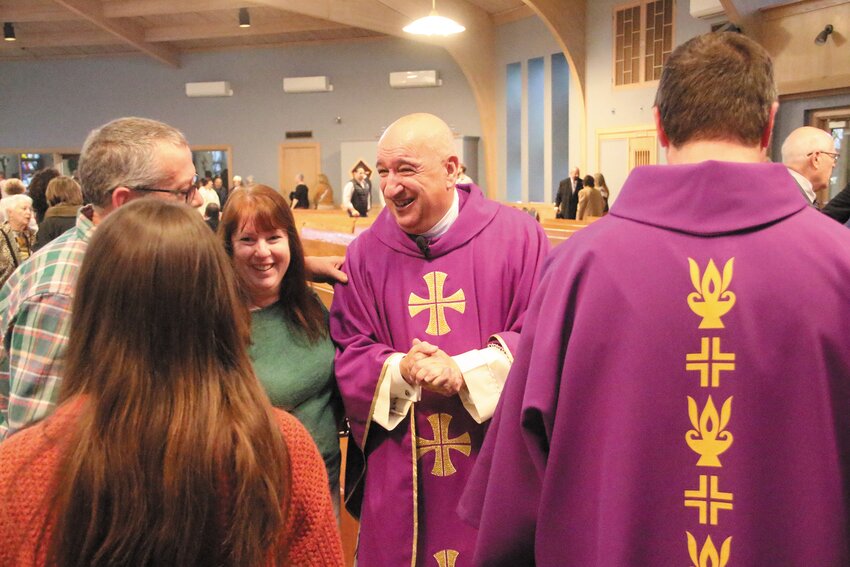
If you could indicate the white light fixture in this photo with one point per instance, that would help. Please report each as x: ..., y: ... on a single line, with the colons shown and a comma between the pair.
x: 244, y: 18
x: 211, y: 88
x: 319, y: 84
x: 434, y: 24
x: 414, y: 79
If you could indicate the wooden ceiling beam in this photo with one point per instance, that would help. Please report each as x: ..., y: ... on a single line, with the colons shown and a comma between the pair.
x: 366, y: 14
x: 137, y: 8
x: 213, y: 31
x: 130, y: 34
x: 64, y: 39
x: 11, y: 11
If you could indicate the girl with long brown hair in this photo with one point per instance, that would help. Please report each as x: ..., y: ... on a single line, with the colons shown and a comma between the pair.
x: 164, y: 449
x: 290, y: 344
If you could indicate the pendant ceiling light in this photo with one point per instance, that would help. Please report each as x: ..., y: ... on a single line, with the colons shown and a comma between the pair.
x: 9, y: 31
x: 244, y: 18
x: 434, y: 24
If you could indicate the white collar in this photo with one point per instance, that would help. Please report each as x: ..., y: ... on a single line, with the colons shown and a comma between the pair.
x: 447, y: 221
x: 804, y: 184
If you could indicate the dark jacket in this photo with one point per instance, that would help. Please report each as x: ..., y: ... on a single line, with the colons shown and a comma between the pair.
x: 57, y: 220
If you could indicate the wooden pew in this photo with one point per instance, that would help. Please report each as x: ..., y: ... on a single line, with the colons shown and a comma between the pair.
x: 544, y: 210
x: 566, y: 223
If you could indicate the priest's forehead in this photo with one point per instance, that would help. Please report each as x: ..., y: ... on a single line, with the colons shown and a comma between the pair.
x: 419, y: 133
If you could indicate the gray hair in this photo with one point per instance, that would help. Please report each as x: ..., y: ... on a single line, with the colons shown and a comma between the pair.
x: 121, y: 154
x: 13, y: 201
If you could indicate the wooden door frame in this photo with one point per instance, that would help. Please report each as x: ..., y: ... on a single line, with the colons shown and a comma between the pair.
x: 625, y: 133
x: 296, y: 145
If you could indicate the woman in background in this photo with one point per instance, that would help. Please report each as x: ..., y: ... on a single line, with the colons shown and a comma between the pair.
x: 65, y: 199
x: 603, y: 188
x: 291, y: 347
x: 590, y: 201
x: 164, y: 449
x: 17, y: 239
x: 37, y: 191
x: 324, y: 198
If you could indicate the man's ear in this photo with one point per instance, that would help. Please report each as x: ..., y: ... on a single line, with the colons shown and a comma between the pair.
x: 768, y: 130
x: 121, y: 196
x: 659, y: 127
x: 452, y: 169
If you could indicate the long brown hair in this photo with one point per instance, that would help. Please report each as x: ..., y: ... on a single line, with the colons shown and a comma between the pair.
x: 268, y: 211
x: 177, y: 459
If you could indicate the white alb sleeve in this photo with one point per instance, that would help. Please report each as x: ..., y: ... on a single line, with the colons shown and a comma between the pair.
x: 395, y: 396
x: 484, y: 373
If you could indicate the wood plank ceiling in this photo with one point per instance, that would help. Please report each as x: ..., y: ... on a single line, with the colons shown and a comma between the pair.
x: 164, y: 29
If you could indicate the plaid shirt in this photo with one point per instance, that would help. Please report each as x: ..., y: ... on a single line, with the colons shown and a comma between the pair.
x: 35, y: 318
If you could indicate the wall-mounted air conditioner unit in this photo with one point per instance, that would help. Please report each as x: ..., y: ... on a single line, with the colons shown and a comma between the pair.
x: 413, y: 79
x: 213, y: 88
x: 706, y: 9
x: 307, y: 85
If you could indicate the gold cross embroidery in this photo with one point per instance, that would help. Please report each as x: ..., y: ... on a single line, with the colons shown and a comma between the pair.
x: 708, y: 502
x: 436, y: 303
x: 442, y: 444
x: 446, y: 557
x: 710, y: 364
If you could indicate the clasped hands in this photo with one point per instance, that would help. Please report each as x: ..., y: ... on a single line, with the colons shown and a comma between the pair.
x: 431, y: 368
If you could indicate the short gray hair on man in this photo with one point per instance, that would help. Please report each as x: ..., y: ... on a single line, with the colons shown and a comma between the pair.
x: 12, y: 201
x: 120, y: 154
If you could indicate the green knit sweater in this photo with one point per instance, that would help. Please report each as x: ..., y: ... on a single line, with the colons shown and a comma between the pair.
x: 298, y: 377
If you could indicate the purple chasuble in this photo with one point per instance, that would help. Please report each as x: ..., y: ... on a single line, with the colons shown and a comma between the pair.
x: 681, y: 393
x: 477, y: 284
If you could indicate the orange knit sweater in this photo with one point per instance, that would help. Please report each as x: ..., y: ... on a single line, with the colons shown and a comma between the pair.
x: 28, y: 463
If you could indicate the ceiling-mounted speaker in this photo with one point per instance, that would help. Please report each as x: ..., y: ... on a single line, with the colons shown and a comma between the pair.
x: 212, y: 88
x: 320, y: 84
x: 414, y: 79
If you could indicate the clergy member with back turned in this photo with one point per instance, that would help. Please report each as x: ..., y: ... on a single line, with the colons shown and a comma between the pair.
x: 712, y: 425
x: 426, y: 331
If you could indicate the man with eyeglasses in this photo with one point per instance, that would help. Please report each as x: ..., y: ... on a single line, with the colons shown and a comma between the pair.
x: 126, y: 159
x: 810, y: 156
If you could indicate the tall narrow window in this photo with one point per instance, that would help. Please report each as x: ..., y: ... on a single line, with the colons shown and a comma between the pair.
x: 643, y: 39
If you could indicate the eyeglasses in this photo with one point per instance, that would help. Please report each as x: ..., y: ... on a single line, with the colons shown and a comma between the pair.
x: 833, y: 155
x: 185, y: 194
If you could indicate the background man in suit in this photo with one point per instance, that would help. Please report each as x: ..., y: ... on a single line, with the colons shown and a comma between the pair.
x: 839, y: 207
x: 810, y: 156
x: 566, y: 201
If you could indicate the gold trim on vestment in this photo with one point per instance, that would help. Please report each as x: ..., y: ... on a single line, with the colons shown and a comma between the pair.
x: 415, y: 471
x: 366, y: 433
x: 372, y: 407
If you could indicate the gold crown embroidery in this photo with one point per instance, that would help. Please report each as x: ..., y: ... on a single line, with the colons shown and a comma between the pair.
x: 712, y: 299
x: 709, y: 437
x: 708, y: 556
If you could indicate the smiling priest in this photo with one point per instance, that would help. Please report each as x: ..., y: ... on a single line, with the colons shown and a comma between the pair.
x: 425, y: 332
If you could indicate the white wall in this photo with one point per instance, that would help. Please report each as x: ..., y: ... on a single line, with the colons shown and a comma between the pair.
x: 56, y: 103
x: 608, y: 107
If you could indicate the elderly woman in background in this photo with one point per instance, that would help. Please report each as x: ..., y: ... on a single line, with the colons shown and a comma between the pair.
x: 65, y: 198
x: 18, y: 239
x: 291, y: 347
x: 164, y: 449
